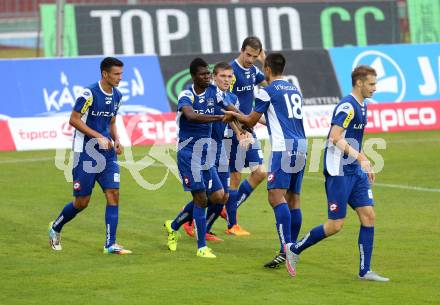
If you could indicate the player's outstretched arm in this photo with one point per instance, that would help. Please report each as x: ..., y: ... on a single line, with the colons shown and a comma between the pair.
x: 78, y: 124
x: 337, y: 139
x: 249, y: 120
x: 195, y: 117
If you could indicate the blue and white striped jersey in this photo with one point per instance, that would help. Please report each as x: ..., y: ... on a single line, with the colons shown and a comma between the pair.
x: 203, y: 103
x: 243, y: 85
x: 352, y: 116
x: 97, y: 109
x: 281, y: 104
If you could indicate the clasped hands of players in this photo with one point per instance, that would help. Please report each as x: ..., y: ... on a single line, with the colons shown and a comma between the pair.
x: 245, y: 138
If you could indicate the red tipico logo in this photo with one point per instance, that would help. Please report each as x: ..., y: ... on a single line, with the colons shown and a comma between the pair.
x: 67, y: 129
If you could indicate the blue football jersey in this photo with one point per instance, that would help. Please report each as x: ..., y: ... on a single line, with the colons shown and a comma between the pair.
x: 203, y: 103
x: 218, y: 128
x: 281, y: 104
x: 97, y: 109
x: 352, y: 116
x: 243, y: 85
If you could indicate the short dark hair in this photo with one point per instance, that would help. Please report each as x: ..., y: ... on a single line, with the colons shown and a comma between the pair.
x: 276, y: 62
x: 361, y: 72
x: 196, y: 64
x: 221, y: 66
x: 252, y: 41
x: 109, y: 62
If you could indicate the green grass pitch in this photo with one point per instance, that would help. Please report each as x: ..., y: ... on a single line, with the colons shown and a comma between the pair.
x: 406, y: 249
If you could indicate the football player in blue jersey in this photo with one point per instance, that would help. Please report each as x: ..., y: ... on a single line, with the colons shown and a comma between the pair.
x: 246, y: 77
x: 348, y: 176
x: 195, y: 117
x: 95, y: 145
x: 221, y: 146
x: 281, y: 102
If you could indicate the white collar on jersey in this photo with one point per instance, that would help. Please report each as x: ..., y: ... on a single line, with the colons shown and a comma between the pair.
x: 193, y: 90
x: 362, y: 104
x: 246, y: 69
x: 102, y: 90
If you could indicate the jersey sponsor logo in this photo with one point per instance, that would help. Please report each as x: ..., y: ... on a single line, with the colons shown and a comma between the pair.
x: 333, y: 207
x: 348, y: 119
x: 391, y: 83
x: 87, y: 104
x: 245, y: 88
x: 76, y: 186
x: 206, y: 111
x: 358, y: 126
x: 103, y: 113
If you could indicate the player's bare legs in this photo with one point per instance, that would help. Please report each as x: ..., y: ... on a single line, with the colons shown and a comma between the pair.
x: 81, y: 202
x: 258, y: 174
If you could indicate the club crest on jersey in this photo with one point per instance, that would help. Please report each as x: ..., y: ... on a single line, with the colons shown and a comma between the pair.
x: 210, y: 102
x: 271, y: 177
x: 76, y: 186
x: 186, y: 181
x: 201, y: 100
x: 333, y: 207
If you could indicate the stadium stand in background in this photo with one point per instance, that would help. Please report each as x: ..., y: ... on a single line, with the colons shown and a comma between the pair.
x: 20, y: 23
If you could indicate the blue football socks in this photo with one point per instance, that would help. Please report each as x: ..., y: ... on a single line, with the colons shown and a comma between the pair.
x: 295, y: 224
x: 244, y: 191
x: 365, y: 242
x: 311, y: 238
x: 67, y: 214
x: 282, y: 217
x: 231, y: 208
x: 213, y: 213
x: 111, y: 224
x: 199, y: 215
x: 184, y: 216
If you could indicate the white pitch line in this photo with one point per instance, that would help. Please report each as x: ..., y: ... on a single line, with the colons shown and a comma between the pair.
x: 388, y: 185
x: 395, y: 186
x: 26, y: 160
